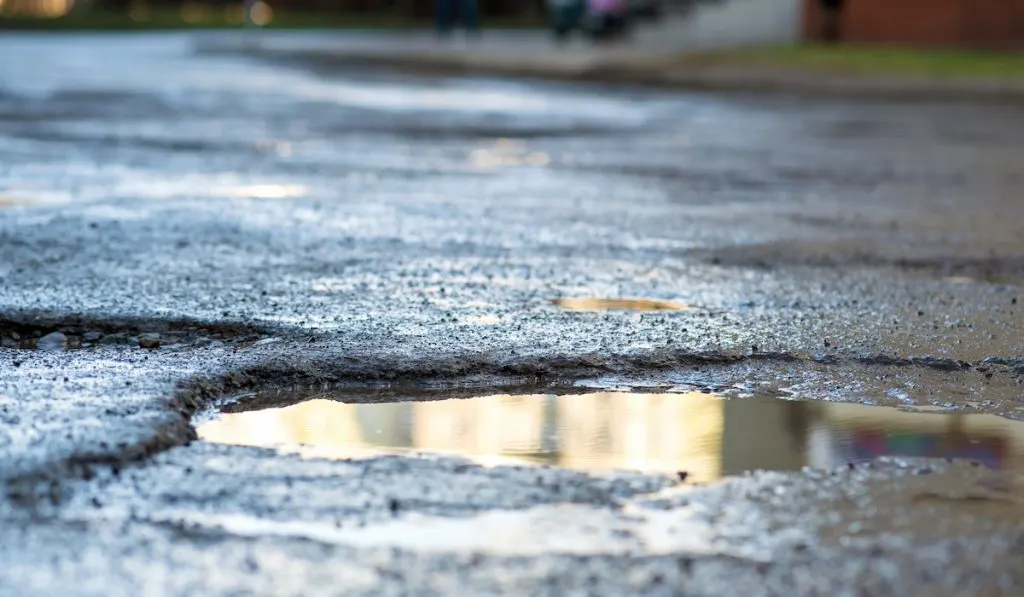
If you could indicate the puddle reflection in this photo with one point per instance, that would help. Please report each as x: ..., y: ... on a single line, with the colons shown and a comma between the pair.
x: 698, y: 433
x: 266, y: 191
x: 505, y: 153
x: 606, y: 304
x: 26, y: 200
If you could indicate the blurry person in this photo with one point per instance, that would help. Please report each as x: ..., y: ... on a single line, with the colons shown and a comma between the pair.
x: 608, y: 18
x: 467, y: 13
x: 565, y: 16
x: 248, y: 6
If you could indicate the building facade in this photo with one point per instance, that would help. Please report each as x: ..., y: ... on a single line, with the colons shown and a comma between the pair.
x: 990, y: 24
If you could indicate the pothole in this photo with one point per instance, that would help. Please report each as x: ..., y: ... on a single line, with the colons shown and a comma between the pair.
x: 702, y: 437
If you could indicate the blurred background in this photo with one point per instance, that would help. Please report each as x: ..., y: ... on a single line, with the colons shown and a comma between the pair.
x: 993, y: 24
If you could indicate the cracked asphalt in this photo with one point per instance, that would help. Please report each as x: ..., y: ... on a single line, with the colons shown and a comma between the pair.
x: 258, y: 226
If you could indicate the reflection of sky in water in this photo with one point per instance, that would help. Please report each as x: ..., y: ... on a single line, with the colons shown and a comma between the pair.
x: 702, y: 434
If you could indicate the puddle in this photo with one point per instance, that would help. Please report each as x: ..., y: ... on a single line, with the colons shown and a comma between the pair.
x: 505, y: 153
x: 606, y: 304
x: 22, y: 201
x: 704, y: 435
x: 264, y: 191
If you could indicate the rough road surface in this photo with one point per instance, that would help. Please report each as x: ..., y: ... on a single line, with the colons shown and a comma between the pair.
x: 199, y: 227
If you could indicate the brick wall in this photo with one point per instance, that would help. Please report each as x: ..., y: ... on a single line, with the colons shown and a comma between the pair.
x: 954, y: 23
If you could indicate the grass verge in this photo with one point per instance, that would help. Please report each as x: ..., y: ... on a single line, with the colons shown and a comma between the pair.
x: 865, y: 60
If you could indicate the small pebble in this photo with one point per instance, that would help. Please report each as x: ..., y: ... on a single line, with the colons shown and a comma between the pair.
x: 149, y: 341
x: 52, y: 341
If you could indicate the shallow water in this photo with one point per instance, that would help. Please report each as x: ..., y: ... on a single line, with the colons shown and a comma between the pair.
x: 703, y: 435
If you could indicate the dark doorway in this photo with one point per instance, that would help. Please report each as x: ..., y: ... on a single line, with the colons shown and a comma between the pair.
x: 831, y: 20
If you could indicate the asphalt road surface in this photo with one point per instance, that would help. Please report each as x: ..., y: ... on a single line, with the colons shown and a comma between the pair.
x: 182, y: 229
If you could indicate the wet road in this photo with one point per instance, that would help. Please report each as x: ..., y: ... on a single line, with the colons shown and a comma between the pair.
x: 341, y: 228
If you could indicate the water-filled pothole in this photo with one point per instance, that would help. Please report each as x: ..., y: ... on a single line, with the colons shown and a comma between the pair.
x: 703, y: 435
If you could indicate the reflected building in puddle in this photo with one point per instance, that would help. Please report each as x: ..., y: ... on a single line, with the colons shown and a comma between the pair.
x: 765, y: 434
x: 701, y: 434
x: 498, y: 427
x: 856, y: 433
x: 587, y: 431
x: 657, y: 432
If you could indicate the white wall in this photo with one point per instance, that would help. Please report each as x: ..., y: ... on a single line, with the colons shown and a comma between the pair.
x: 726, y: 23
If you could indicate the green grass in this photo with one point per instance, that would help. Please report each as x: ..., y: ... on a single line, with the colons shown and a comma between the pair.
x: 878, y: 61
x: 216, y: 18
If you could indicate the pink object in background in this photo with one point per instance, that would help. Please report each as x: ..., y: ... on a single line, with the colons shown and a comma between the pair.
x: 607, y: 7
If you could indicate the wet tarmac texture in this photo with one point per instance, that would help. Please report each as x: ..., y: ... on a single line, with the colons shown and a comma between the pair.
x: 216, y: 225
